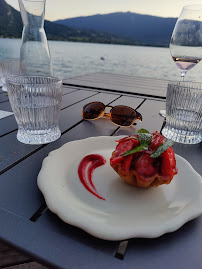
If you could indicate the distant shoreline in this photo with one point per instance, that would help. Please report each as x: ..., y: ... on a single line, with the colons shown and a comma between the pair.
x: 93, y: 42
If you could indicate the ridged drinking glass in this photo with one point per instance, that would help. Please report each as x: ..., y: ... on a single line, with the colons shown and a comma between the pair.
x: 36, y: 105
x: 184, y: 112
x: 8, y: 67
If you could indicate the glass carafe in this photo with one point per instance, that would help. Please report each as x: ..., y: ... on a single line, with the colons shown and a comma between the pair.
x: 34, y: 48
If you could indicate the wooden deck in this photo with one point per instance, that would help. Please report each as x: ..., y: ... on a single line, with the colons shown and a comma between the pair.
x: 13, y: 259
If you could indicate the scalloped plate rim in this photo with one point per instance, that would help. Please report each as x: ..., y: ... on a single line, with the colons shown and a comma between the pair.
x: 73, y: 218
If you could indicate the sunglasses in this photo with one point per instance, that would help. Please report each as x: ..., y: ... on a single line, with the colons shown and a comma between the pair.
x: 120, y: 115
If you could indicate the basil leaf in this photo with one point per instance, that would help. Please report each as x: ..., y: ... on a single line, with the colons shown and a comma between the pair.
x: 136, y: 149
x: 145, y: 138
x: 162, y: 148
x: 142, y: 131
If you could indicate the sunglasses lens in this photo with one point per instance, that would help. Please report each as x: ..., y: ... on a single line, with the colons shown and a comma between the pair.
x: 93, y: 110
x: 122, y: 115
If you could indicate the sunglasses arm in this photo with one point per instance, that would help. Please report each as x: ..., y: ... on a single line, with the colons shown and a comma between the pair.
x: 139, y: 116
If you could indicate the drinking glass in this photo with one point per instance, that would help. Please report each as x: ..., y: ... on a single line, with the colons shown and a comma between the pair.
x: 184, y: 112
x: 186, y: 40
x: 36, y: 105
x: 10, y: 67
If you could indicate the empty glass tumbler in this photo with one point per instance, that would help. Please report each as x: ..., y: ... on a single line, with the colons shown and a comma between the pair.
x: 34, y: 48
x: 9, y: 67
x: 184, y: 112
x: 36, y: 105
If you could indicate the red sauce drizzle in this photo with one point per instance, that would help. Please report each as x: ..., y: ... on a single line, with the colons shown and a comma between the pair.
x: 86, y: 167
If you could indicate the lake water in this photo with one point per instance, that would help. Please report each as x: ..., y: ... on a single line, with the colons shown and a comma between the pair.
x: 72, y: 59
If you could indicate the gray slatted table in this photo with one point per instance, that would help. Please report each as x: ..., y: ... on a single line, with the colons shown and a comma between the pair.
x: 121, y: 83
x: 25, y: 221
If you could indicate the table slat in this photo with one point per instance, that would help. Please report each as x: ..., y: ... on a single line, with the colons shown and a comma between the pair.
x: 6, y: 106
x: 52, y: 248
x: 114, y: 78
x: 120, y: 80
x: 180, y: 249
x: 3, y: 97
x: 53, y: 223
x: 192, y: 153
x: 75, y: 97
x: 7, y: 125
x: 121, y: 83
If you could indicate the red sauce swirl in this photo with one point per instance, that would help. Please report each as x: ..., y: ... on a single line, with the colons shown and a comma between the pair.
x: 85, y: 171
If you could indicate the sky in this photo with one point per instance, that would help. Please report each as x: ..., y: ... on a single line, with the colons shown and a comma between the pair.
x: 62, y: 9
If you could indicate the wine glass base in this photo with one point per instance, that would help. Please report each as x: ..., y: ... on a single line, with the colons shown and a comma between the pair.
x: 162, y: 113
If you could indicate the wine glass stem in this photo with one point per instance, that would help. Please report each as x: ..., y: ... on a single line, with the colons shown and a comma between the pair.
x: 183, y: 75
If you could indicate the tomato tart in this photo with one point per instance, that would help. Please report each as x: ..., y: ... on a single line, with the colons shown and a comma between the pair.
x: 144, y: 160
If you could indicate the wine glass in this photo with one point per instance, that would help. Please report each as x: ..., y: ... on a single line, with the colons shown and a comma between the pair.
x: 186, y: 40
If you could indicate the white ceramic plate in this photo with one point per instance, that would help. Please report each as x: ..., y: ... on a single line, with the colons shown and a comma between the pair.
x: 127, y: 211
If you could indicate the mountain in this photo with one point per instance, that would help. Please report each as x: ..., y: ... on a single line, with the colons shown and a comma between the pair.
x: 10, y: 21
x: 11, y: 26
x: 56, y: 31
x: 145, y: 29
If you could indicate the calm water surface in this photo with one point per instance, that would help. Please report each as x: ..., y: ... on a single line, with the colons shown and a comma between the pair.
x: 74, y: 59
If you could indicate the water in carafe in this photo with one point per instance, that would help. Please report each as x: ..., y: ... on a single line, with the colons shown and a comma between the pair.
x: 34, y: 48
